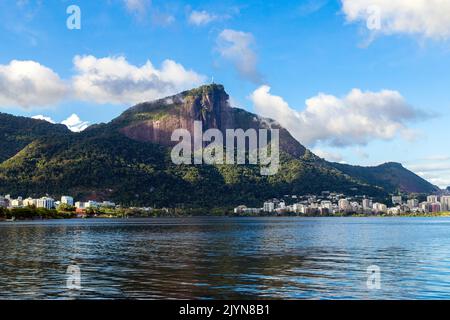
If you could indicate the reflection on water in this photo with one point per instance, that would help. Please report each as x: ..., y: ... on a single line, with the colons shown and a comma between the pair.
x: 227, y: 258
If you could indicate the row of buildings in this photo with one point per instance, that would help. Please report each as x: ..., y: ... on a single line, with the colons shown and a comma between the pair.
x: 50, y: 203
x: 332, y: 203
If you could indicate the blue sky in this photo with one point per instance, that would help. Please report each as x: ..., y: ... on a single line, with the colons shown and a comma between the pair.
x: 362, y: 82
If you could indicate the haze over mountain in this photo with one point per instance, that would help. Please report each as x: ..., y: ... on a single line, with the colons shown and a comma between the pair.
x: 128, y: 159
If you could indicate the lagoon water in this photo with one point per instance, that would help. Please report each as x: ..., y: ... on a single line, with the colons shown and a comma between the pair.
x: 227, y: 258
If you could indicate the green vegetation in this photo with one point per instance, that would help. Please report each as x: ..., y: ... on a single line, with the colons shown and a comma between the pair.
x: 101, y: 163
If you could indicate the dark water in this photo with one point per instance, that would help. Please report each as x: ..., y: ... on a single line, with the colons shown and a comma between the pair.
x: 296, y: 258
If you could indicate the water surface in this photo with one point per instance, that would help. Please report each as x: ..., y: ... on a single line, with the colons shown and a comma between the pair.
x: 227, y: 258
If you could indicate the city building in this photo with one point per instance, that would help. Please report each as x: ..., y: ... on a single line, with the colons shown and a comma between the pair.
x: 269, y: 206
x: 396, y: 200
x: 367, y: 204
x: 379, y: 207
x: 412, y: 203
x: 45, y: 202
x: 344, y: 205
x: 67, y: 200
x: 432, y: 199
x: 445, y: 203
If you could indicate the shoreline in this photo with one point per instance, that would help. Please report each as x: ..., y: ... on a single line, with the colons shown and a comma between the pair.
x: 439, y: 215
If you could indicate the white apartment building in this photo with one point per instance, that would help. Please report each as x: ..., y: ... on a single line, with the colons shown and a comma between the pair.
x: 67, y: 200
x: 379, y: 207
x: 45, y: 202
x: 344, y: 205
x: 79, y: 205
x: 16, y: 203
x: 432, y: 199
x: 367, y: 204
x: 412, y: 203
x: 269, y: 206
x: 29, y: 202
x: 445, y: 203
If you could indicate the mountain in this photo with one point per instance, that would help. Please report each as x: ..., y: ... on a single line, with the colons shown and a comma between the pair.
x: 391, y: 176
x: 17, y: 132
x: 128, y: 160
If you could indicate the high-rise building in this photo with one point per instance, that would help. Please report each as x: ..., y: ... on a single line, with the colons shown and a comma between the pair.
x: 367, y: 204
x: 413, y: 203
x: 344, y: 205
x: 379, y: 207
x: 436, y: 207
x: 432, y: 199
x: 445, y: 203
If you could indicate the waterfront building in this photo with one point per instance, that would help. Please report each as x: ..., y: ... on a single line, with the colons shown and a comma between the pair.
x: 425, y: 207
x: 396, y: 200
x: 67, y: 200
x: 16, y: 203
x: 79, y: 205
x: 30, y: 202
x: 379, y: 207
x: 367, y: 204
x: 412, y: 203
x: 45, y: 202
x: 269, y: 206
x: 432, y: 199
x: 239, y: 209
x: 344, y: 205
x: 445, y: 203
x: 108, y: 204
x: 327, y: 205
x: 436, y: 207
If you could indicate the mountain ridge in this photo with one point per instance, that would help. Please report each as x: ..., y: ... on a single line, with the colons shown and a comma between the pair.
x: 128, y: 160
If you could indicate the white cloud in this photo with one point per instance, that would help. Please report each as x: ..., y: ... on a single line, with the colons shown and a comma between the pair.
x: 75, y: 124
x: 355, y: 119
x: 428, y: 18
x: 114, y: 80
x: 29, y: 84
x: 236, y: 46
x: 328, y: 155
x: 137, y: 6
x: 42, y: 117
x: 200, y: 18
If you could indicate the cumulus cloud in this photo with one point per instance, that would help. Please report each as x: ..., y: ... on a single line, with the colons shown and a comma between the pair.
x: 74, y: 123
x: 28, y: 83
x: 137, y: 6
x: 428, y: 18
x: 200, y: 18
x: 435, y: 169
x: 355, y: 119
x: 237, y: 47
x: 328, y: 155
x: 114, y: 80
x: 42, y: 117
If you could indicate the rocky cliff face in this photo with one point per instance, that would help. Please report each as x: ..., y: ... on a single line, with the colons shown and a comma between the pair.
x: 155, y: 121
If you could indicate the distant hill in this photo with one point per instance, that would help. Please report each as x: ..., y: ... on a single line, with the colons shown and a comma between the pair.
x: 17, y: 132
x: 391, y: 176
x: 128, y: 160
